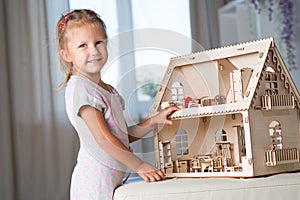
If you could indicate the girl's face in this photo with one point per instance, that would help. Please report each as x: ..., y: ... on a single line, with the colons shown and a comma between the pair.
x: 86, y: 49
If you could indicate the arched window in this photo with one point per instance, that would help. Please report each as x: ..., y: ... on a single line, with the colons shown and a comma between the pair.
x: 271, y: 84
x: 177, y: 91
x: 220, y: 136
x: 276, y: 135
x: 181, y: 142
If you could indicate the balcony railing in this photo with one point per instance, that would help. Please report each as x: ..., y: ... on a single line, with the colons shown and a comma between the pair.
x: 281, y: 156
x: 285, y: 101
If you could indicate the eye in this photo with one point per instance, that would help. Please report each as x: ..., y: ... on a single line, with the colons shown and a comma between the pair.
x: 99, y: 42
x: 82, y: 46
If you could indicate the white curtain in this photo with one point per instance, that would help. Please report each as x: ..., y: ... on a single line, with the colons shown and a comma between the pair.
x: 38, y: 146
x: 204, y: 22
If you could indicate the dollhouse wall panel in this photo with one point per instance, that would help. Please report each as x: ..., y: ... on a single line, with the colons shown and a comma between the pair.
x: 197, y: 80
x: 191, y: 127
x: 196, y: 130
x: 260, y: 124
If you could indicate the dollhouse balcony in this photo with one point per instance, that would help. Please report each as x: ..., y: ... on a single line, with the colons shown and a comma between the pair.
x: 285, y: 101
x: 281, y: 156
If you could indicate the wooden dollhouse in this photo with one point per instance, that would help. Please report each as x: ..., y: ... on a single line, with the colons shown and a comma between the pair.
x: 239, y: 114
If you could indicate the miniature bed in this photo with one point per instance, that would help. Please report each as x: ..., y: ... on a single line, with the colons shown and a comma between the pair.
x: 275, y: 187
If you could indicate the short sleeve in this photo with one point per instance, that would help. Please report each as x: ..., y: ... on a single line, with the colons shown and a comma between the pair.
x: 86, y: 95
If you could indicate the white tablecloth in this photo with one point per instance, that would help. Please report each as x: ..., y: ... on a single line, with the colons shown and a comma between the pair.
x: 284, y: 186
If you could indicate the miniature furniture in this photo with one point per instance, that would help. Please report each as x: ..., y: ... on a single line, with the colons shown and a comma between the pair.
x: 239, y: 114
x: 275, y: 187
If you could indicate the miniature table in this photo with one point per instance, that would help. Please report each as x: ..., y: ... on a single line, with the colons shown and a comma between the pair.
x: 275, y: 187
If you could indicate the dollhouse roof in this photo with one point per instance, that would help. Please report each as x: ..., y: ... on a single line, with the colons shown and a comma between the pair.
x: 234, y: 72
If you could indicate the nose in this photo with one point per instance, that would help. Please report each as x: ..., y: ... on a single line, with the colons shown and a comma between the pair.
x: 94, y: 51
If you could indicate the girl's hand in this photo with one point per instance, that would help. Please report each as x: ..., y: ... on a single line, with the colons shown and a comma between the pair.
x: 149, y: 173
x: 162, y: 116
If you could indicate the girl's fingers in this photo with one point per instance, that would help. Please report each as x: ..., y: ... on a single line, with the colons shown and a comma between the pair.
x: 161, y: 174
x: 169, y: 122
x: 153, y: 176
x: 171, y: 109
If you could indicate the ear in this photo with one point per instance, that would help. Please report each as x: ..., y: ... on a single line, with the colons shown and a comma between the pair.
x: 65, y: 55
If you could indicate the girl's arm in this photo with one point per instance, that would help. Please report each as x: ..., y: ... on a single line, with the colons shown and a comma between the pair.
x: 138, y: 131
x: 114, y: 147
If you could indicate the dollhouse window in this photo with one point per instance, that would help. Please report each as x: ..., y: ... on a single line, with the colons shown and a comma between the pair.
x: 271, y: 85
x: 275, y: 133
x: 177, y: 91
x: 220, y: 135
x: 181, y: 142
x: 242, y: 141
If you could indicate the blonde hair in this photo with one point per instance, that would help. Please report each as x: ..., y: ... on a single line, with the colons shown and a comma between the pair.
x: 74, y: 18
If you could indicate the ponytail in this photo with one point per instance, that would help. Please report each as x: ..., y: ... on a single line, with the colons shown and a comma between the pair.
x: 68, y: 72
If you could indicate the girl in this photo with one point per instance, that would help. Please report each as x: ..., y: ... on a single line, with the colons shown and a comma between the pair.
x: 95, y: 110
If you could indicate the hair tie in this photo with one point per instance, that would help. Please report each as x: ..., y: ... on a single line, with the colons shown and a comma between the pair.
x: 62, y: 25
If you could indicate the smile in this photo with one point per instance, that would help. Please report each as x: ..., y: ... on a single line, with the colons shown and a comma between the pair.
x: 95, y: 60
